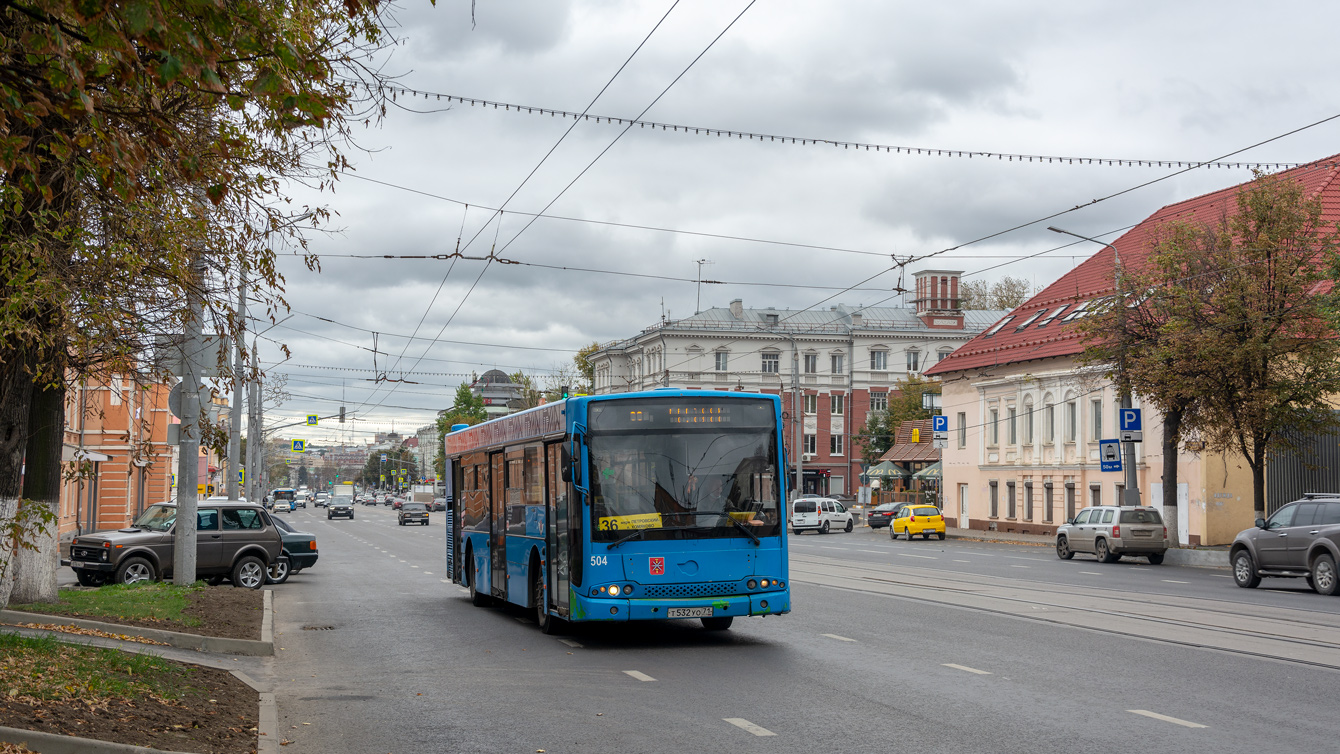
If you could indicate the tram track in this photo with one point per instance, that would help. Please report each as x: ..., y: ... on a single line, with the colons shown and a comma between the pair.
x: 1276, y: 633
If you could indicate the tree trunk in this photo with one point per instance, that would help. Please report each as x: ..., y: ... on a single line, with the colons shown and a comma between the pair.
x: 1258, y: 464
x: 35, y: 569
x: 16, y: 388
x: 1172, y: 435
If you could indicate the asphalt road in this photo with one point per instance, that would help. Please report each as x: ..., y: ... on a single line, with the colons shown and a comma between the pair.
x: 884, y: 652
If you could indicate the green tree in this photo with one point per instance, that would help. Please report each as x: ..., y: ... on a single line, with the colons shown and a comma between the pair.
x: 1226, y: 327
x: 1006, y: 293
x: 905, y: 404
x: 467, y: 408
x: 584, y: 368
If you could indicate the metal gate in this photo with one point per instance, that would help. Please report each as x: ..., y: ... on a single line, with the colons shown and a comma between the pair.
x: 1313, y: 467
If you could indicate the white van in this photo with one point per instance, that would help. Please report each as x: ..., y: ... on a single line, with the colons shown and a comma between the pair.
x: 820, y: 514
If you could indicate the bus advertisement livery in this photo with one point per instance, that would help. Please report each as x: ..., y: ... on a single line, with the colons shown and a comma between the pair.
x: 638, y: 506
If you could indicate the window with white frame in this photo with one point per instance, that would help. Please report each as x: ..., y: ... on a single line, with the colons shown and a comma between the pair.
x: 879, y: 361
x: 837, y: 404
x: 1049, y: 423
x: 1028, y: 423
x: 1071, y: 421
x: 835, y: 445
x: 810, y: 443
x: 723, y: 359
x: 811, y: 363
x: 838, y: 363
x: 993, y: 426
x: 942, y: 355
x: 914, y: 361
x: 771, y: 363
x: 811, y: 404
x: 1096, y: 420
x: 1011, y: 426
x: 879, y: 401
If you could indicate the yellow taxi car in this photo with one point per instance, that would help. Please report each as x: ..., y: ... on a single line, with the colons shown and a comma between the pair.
x: 914, y: 518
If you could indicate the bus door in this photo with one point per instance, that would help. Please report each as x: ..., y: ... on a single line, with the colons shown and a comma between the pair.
x: 498, y: 519
x: 556, y: 533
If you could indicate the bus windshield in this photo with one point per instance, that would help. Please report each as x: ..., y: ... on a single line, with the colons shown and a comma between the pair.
x: 675, y: 479
x: 285, y: 494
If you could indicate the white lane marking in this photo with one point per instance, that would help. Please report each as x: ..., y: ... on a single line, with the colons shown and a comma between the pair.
x: 826, y: 547
x: 430, y: 573
x: 1092, y: 573
x: 962, y: 561
x: 744, y: 724
x: 570, y: 643
x: 639, y: 675
x: 876, y: 552
x: 1016, y: 565
x: 1174, y: 581
x: 413, y: 566
x: 1166, y: 719
x: 835, y: 636
x: 923, y: 557
x: 1223, y: 575
x: 966, y: 669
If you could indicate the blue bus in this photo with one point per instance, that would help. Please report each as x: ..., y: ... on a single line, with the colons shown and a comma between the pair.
x: 637, y: 506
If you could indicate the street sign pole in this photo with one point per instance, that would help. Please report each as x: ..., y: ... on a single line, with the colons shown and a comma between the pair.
x: 1131, y: 425
x: 188, y: 462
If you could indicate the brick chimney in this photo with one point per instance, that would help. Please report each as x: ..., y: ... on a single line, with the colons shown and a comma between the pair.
x: 737, y: 309
x: 937, y: 299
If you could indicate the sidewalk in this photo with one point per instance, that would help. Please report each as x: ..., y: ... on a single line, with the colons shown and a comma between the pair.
x: 1203, y: 557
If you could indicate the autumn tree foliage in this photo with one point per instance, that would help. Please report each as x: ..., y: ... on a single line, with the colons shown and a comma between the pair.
x: 1224, y: 328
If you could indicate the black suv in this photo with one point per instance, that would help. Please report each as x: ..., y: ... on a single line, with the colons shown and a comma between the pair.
x: 1300, y: 540
x: 235, y: 540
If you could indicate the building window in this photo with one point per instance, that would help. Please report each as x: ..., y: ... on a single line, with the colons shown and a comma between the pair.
x: 1070, y: 420
x: 993, y: 425
x: 879, y: 361
x: 1028, y: 501
x: 914, y: 361
x: 1011, y: 425
x: 837, y: 485
x: 942, y: 356
x: 1095, y: 494
x: 837, y: 363
x: 1069, y: 501
x: 1028, y: 423
x: 811, y: 404
x: 810, y: 444
x: 722, y: 359
x: 1049, y: 423
x: 962, y: 430
x: 835, y: 445
x: 1046, y: 502
x: 811, y: 363
x: 879, y: 401
x: 1009, y: 500
x: 995, y: 500
x: 1096, y: 419
x: 771, y: 363
x: 837, y: 404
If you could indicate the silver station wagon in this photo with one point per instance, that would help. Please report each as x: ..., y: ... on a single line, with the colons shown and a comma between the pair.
x: 1110, y: 531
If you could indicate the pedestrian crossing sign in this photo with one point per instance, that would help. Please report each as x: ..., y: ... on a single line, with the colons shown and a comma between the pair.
x: 299, y: 446
x: 311, y: 420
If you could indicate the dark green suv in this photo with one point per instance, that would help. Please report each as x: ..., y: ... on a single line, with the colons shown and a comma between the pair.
x: 234, y: 540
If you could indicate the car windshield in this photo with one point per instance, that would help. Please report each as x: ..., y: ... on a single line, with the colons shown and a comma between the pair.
x: 1140, y: 517
x: 413, y: 507
x: 157, y: 518
x: 683, y: 471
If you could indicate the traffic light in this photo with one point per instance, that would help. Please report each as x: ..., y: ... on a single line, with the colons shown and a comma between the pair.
x: 564, y: 391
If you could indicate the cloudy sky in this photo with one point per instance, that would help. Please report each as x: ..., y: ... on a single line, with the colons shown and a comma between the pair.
x: 1185, y: 81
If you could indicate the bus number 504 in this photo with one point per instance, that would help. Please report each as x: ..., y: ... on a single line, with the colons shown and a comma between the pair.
x: 599, y: 560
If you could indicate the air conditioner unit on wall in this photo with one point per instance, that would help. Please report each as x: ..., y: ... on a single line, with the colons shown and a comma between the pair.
x: 807, y: 456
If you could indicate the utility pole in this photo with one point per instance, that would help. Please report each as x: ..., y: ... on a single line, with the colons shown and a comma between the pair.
x: 698, y: 307
x: 1132, y: 490
x: 255, y: 434
x: 235, y: 428
x: 188, y: 464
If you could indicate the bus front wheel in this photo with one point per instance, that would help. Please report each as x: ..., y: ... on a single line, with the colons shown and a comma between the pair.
x: 718, y: 624
x: 549, y: 625
x: 477, y: 598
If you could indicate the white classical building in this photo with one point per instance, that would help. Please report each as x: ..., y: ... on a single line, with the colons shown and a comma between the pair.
x: 430, y: 440
x: 841, y: 361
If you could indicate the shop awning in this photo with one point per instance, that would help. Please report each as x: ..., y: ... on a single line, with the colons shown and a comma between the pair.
x: 887, y: 470
x: 930, y: 472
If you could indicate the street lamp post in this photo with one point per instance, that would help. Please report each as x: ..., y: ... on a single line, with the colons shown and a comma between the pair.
x: 1132, y: 491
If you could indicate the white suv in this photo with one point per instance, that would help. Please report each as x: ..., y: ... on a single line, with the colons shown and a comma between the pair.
x: 821, y: 514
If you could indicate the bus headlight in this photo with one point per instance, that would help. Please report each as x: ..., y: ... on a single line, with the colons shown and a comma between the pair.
x: 627, y: 588
x: 764, y: 583
x: 614, y: 589
x: 751, y: 583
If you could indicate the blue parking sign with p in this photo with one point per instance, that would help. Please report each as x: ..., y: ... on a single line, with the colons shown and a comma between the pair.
x: 1131, y: 420
x: 940, y: 423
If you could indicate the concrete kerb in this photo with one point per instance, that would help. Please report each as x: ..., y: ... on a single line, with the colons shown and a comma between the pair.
x: 1173, y: 556
x: 216, y: 644
x: 54, y: 743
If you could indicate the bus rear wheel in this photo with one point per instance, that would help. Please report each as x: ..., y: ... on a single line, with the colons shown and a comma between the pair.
x: 718, y: 624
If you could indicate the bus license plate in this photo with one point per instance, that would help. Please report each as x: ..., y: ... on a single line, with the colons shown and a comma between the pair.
x: 689, y: 612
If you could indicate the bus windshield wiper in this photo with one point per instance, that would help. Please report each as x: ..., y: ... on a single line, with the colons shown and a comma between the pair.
x: 744, y: 529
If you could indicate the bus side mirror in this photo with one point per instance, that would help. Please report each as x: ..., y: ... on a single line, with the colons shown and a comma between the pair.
x: 565, y: 462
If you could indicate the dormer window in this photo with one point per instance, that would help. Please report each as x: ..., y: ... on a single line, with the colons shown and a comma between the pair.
x: 770, y: 319
x: 1030, y: 320
x: 999, y: 325
x: 1055, y: 313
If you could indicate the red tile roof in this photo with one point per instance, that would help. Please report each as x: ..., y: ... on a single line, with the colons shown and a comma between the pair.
x: 911, y: 452
x: 1026, y: 338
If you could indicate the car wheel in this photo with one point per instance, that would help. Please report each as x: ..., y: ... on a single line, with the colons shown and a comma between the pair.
x: 1324, y: 578
x: 249, y: 572
x: 718, y: 624
x: 278, y: 572
x: 824, y: 529
x: 850, y: 525
x: 135, y: 570
x: 328, y: 517
x: 926, y: 536
x: 1155, y: 558
x: 477, y: 598
x: 1063, y: 550
x: 1244, y: 571
x: 1104, y: 553
x: 89, y: 578
x: 940, y: 536
x: 892, y: 533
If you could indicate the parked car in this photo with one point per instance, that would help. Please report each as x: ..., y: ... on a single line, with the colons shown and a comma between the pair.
x: 299, y: 553
x: 881, y: 515
x: 912, y: 519
x: 340, y: 507
x: 235, y: 540
x: 1300, y: 540
x: 439, y: 504
x: 322, y: 498
x: 1110, y: 531
x: 413, y: 513
x: 282, y: 506
x: 821, y: 514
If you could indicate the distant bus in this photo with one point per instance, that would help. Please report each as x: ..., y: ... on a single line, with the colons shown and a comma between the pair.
x: 636, y: 506
x: 283, y: 493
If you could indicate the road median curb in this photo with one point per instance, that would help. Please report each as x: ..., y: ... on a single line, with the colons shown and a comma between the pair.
x: 54, y: 743
x: 216, y: 644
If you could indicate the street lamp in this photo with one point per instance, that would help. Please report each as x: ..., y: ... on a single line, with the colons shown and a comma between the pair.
x: 1132, y: 491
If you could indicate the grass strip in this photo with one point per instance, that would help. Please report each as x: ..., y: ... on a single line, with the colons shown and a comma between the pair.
x: 142, y: 601
x: 40, y: 669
